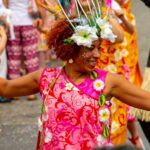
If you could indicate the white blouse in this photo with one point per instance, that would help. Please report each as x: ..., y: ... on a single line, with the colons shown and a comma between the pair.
x: 20, y: 14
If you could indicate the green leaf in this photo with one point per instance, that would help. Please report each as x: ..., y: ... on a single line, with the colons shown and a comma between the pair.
x: 43, y: 107
x: 101, y: 100
x: 93, y: 75
x: 105, y: 131
x: 68, y: 41
x: 52, y: 83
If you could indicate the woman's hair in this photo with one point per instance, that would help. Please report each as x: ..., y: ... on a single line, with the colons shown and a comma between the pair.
x: 55, y: 38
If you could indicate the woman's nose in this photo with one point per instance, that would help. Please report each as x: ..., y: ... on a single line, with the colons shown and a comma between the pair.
x: 96, y: 52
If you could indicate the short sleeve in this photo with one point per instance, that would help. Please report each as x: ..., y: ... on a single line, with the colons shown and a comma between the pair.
x: 47, y: 76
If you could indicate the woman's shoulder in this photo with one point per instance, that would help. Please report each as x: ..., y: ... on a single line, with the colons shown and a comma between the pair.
x: 50, y: 71
x: 47, y: 76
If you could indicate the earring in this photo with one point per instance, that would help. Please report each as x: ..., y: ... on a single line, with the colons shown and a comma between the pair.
x: 70, y: 61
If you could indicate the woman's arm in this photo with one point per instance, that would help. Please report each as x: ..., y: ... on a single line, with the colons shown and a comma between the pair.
x: 126, y: 92
x: 26, y: 85
x: 3, y: 39
x: 53, y: 8
x: 125, y: 23
x: 116, y: 28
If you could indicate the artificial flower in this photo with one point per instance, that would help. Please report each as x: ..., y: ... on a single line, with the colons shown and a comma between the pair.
x: 69, y: 86
x: 118, y: 55
x: 113, y: 106
x: 84, y: 35
x: 98, y: 85
x: 106, y: 30
x: 125, y: 53
x: 114, y: 127
x: 104, y: 115
x: 48, y: 136
x: 100, y: 139
x: 111, y: 68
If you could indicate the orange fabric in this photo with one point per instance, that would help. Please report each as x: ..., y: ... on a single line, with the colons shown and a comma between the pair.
x: 121, y: 59
x: 132, y: 59
x: 111, y: 60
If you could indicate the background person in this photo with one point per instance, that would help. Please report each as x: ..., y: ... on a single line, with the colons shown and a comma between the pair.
x: 24, y: 47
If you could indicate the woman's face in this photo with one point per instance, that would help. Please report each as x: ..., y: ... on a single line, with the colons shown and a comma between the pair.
x: 87, y: 58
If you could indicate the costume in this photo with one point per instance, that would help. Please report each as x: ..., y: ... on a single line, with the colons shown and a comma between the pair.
x: 132, y: 59
x: 71, y: 116
x: 76, y: 116
x: 121, y: 58
x: 111, y: 60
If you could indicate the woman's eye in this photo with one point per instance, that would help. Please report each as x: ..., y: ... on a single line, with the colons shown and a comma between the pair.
x: 89, y: 49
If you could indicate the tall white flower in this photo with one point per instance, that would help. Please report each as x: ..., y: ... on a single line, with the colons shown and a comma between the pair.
x: 104, y: 115
x: 98, y: 85
x: 106, y: 30
x: 84, y: 35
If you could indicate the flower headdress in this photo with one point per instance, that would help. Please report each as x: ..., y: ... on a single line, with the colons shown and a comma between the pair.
x: 88, y: 25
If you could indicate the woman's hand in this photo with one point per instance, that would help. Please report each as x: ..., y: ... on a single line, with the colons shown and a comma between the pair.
x: 119, y: 13
x: 52, y: 8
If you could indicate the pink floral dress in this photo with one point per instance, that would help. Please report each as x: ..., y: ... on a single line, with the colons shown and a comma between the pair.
x: 74, y: 117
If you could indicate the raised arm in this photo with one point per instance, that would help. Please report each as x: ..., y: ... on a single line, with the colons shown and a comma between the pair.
x: 26, y: 85
x: 116, y: 28
x: 125, y: 23
x: 126, y: 92
x: 51, y: 7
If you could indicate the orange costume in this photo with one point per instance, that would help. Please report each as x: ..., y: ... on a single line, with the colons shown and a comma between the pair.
x: 121, y: 58
x: 132, y: 60
x: 111, y: 59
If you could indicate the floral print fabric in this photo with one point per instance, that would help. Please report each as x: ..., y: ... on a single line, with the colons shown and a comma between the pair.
x: 71, y: 117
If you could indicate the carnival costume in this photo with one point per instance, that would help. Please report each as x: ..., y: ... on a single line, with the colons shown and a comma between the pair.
x: 76, y: 116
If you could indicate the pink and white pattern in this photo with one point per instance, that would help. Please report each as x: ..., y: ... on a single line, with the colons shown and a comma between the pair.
x: 73, y: 115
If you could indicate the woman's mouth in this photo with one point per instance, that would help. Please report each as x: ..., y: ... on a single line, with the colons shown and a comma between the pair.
x: 92, y: 64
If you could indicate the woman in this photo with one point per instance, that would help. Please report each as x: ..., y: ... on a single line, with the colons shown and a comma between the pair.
x: 75, y: 114
x: 22, y: 49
